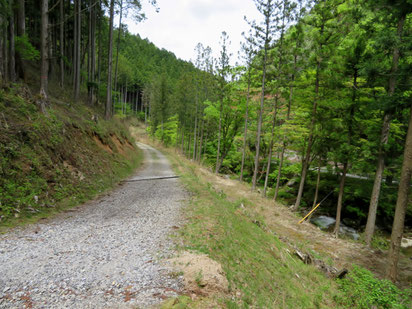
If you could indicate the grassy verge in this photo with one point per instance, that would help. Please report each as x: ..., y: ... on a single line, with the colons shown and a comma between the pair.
x: 261, y: 270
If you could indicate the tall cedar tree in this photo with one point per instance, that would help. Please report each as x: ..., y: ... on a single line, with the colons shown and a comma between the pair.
x: 222, y: 69
x: 400, y: 14
x: 264, y: 38
x: 321, y: 20
x: 247, y: 54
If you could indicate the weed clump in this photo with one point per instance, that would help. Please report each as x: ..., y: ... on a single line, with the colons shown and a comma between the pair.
x: 361, y: 289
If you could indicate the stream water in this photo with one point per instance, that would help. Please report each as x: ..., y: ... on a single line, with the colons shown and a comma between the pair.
x: 327, y: 224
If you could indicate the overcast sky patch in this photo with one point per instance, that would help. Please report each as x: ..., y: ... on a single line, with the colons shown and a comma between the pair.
x: 181, y: 24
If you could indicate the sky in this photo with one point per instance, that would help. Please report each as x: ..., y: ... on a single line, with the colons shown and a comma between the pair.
x: 181, y: 24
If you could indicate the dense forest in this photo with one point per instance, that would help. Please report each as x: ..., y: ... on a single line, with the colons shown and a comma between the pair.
x: 318, y: 104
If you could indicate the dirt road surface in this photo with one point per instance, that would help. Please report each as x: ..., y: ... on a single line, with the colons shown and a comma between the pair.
x: 104, y: 254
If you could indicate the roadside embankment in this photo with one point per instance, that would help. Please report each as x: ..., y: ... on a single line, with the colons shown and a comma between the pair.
x: 53, y: 161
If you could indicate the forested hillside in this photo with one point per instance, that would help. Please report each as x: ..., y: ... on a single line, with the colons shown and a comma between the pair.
x: 56, y: 148
x: 319, y: 106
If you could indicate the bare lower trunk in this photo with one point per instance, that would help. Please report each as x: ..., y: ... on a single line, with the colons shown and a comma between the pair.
x: 259, y: 127
x: 219, y: 137
x: 5, y: 56
x: 199, y: 157
x: 77, y: 50
x: 310, y: 141
x: 188, y: 146
x: 92, y: 38
x: 44, y: 56
x: 340, y: 199
x: 2, y: 77
x: 109, y: 66
x: 182, y: 147
x: 21, y: 30
x: 75, y: 42
x: 401, y: 205
x: 370, y: 225
x: 282, y: 154
x: 12, y: 59
x: 61, y: 43
x: 118, y: 44
x: 315, y: 199
x: 373, y: 205
x: 195, y: 132
x: 99, y: 60
x: 270, y: 147
x: 21, y: 19
x: 245, y: 130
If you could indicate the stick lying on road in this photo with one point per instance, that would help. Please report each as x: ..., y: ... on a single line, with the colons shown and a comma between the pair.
x: 151, y: 178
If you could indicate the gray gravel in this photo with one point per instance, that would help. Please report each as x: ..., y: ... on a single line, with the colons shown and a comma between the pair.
x: 104, y: 254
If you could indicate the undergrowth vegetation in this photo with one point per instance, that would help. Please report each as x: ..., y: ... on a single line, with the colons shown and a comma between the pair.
x: 362, y: 290
x: 56, y: 160
x: 262, y: 270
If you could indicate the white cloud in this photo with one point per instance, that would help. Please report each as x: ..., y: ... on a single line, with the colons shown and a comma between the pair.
x: 181, y: 24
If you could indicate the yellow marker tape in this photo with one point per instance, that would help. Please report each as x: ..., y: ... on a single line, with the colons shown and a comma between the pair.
x: 310, y: 212
x: 314, y: 208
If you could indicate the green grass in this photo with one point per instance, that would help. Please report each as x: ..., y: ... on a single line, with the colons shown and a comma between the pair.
x: 262, y: 272
x: 361, y: 289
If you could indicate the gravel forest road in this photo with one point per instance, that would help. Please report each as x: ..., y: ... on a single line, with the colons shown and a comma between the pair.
x: 103, y: 254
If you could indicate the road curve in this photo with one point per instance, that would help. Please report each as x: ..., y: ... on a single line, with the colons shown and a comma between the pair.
x: 103, y: 254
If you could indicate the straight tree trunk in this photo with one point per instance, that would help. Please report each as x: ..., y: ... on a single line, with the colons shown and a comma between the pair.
x: 5, y: 54
x: 50, y: 46
x: 2, y: 77
x: 340, y: 199
x: 195, y: 132
x: 315, y: 199
x: 373, y: 206
x: 188, y: 146
x: 305, y: 166
x: 99, y: 61
x: 183, y: 141
x: 12, y: 52
x: 401, y: 206
x: 92, y: 44
x: 271, y: 146
x: 242, y: 165
x: 219, y: 136
x: 199, y: 157
x: 44, y: 56
x: 282, y: 153
x: 118, y: 44
x: 347, y: 153
x: 259, y: 127
x: 61, y: 43
x: 77, y: 51
x: 108, y: 111
x: 21, y: 19
x: 21, y: 30
x: 75, y: 43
